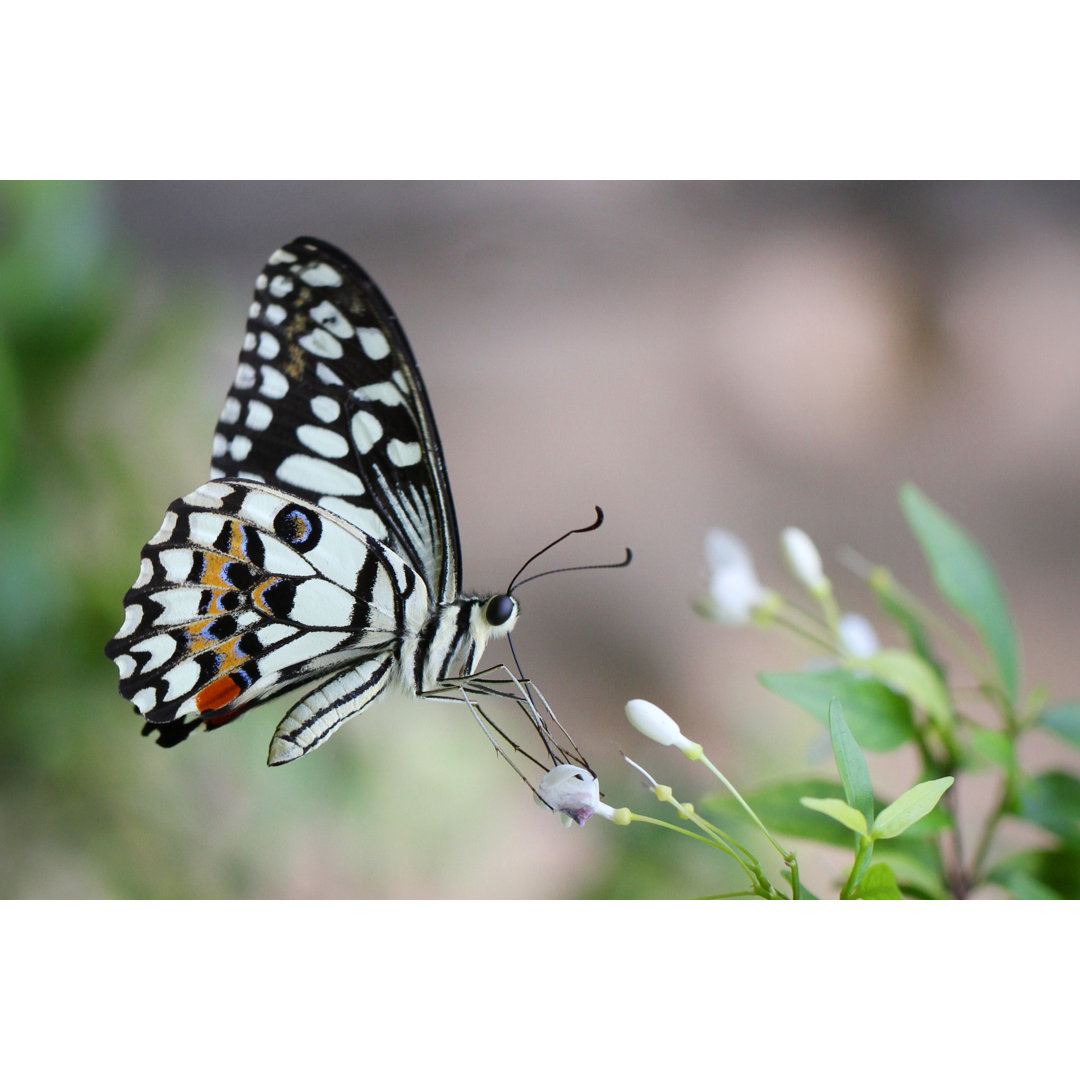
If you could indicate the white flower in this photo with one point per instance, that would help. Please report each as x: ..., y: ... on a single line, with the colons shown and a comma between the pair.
x: 857, y: 636
x: 655, y: 724
x: 803, y: 559
x: 733, y: 583
x: 573, y: 792
x: 724, y: 550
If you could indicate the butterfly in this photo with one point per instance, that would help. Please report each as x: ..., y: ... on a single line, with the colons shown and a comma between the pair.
x: 325, y: 545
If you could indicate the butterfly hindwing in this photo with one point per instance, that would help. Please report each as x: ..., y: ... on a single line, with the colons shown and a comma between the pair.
x: 328, y: 403
x: 246, y: 591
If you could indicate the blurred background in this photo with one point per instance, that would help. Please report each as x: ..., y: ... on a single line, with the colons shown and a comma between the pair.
x: 683, y: 354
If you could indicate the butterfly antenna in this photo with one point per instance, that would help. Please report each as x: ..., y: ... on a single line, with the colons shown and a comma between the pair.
x: 532, y: 558
x: 624, y: 561
x: 514, y: 582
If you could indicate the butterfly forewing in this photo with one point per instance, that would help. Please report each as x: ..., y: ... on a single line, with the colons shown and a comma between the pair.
x: 328, y: 403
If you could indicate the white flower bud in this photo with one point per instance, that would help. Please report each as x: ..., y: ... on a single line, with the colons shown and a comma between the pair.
x: 803, y: 559
x: 725, y: 551
x: 571, y: 791
x: 733, y: 584
x: 655, y: 724
x: 736, y: 595
x: 857, y: 636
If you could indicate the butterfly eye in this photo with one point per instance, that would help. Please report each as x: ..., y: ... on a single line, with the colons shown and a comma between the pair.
x: 499, y: 609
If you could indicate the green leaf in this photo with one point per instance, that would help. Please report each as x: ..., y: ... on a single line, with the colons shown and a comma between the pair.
x: 838, y: 810
x: 1052, y: 800
x: 914, y: 804
x: 913, y: 677
x: 1063, y: 720
x: 879, y: 883
x: 994, y: 747
x: 11, y: 410
x: 965, y: 578
x: 879, y: 718
x: 918, y: 876
x: 1025, y: 887
x: 779, y: 807
x: 1036, y: 874
x: 850, y: 764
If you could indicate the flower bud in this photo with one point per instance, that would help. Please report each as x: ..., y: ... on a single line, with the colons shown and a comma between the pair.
x: 655, y: 724
x: 734, y: 590
x: 725, y: 551
x: 857, y: 636
x: 803, y: 559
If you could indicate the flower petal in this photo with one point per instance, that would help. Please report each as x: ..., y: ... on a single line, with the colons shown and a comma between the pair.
x: 572, y: 791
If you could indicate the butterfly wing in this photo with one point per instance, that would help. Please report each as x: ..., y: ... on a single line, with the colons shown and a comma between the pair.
x: 245, y: 592
x: 328, y: 404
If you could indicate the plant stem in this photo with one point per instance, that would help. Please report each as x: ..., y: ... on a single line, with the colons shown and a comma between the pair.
x: 863, y: 853
x: 718, y: 844
x: 801, y: 631
x: 989, y: 828
x: 789, y: 857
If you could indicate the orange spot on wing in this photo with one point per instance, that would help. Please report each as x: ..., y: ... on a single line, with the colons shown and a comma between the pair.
x: 257, y: 595
x: 217, y: 695
x: 212, y: 573
x: 197, y: 639
x: 236, y: 540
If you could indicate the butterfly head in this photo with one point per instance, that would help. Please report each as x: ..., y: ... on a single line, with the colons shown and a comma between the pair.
x: 501, y: 612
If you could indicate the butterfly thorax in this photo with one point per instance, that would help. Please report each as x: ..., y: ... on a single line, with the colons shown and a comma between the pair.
x: 451, y: 642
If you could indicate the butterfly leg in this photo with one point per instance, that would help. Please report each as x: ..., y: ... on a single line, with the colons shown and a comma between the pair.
x: 313, y: 719
x: 494, y: 682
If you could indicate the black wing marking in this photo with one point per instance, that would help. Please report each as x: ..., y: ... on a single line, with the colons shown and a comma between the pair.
x: 328, y: 403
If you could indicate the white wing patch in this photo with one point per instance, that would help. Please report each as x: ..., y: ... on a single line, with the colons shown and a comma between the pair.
x: 320, y: 274
x: 319, y: 476
x: 322, y: 440
x: 373, y: 342
x: 366, y: 431
x: 259, y: 415
x: 403, y: 453
x: 325, y: 408
x: 322, y: 343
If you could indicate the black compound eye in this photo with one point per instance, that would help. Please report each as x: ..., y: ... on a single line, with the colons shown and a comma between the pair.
x: 499, y: 609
